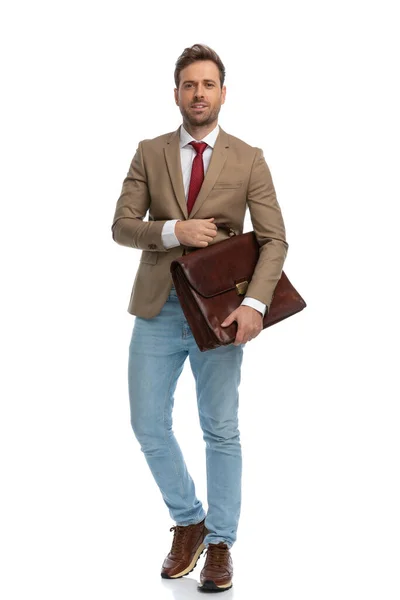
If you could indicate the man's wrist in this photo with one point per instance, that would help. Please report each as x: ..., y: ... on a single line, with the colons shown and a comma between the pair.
x: 256, y: 304
x: 169, y: 238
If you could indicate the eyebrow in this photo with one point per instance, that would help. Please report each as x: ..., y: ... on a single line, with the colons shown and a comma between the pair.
x: 192, y: 81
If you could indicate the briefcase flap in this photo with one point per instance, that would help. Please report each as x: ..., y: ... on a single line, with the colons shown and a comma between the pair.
x: 218, y: 268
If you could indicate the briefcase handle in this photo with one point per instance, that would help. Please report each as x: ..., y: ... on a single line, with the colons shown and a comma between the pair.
x: 227, y: 227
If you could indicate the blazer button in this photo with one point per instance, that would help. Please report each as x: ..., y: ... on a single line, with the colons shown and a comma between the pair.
x: 152, y: 246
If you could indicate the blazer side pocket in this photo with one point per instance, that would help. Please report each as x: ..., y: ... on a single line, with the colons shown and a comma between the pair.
x: 229, y: 185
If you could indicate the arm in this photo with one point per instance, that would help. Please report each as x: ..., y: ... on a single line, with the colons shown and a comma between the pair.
x: 269, y: 229
x: 128, y: 228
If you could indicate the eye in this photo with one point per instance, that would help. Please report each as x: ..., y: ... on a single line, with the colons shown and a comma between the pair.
x: 187, y: 85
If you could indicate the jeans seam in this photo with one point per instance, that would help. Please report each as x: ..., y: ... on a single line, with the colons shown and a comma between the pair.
x: 184, y: 496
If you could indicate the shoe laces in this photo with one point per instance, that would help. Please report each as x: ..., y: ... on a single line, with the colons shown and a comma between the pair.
x: 217, y: 553
x: 178, y: 542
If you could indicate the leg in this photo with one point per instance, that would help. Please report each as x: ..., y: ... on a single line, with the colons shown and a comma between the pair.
x: 217, y: 376
x: 156, y: 359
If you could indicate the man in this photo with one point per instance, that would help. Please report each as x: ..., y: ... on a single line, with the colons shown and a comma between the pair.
x: 189, y: 180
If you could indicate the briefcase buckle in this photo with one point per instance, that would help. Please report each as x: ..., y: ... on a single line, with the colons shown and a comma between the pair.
x: 241, y: 287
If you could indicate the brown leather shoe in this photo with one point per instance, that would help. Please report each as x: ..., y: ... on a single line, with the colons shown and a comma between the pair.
x: 187, y: 546
x: 217, y: 573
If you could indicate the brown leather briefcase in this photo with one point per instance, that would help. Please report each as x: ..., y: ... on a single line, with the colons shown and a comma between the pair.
x: 211, y: 283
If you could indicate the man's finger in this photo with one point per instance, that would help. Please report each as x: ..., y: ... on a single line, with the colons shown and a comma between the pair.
x: 239, y: 336
x: 229, y: 319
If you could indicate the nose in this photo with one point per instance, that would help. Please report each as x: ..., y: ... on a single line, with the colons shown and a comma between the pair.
x: 199, y: 92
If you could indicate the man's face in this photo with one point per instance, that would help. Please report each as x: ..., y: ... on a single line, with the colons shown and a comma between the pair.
x: 199, y: 95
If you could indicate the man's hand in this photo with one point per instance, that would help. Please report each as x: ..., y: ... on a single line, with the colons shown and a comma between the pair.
x: 250, y: 323
x: 196, y: 232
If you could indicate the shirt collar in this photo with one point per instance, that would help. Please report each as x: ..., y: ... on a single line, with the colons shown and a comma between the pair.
x: 186, y: 138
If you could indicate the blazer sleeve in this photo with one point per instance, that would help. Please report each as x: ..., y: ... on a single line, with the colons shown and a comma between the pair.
x: 269, y: 229
x: 128, y: 227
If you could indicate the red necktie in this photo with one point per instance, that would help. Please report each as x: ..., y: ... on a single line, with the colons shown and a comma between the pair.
x: 197, y: 175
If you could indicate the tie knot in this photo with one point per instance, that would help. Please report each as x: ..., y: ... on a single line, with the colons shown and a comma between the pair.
x: 199, y: 146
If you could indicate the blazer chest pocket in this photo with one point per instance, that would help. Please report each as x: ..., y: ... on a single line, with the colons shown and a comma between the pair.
x: 149, y: 258
x: 227, y: 185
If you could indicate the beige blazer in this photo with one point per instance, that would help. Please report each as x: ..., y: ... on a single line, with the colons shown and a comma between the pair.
x: 237, y: 177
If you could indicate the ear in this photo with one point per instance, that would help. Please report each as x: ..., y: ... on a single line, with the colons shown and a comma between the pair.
x: 223, y: 94
x: 176, y: 96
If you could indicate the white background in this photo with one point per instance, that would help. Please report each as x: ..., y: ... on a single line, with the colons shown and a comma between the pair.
x: 315, y: 85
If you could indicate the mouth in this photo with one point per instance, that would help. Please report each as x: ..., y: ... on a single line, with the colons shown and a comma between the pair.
x: 199, y: 106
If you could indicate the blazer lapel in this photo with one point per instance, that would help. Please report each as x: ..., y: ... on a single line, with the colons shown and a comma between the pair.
x: 218, y: 158
x: 173, y: 159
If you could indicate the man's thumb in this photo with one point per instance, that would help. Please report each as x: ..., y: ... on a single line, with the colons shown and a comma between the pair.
x: 227, y: 321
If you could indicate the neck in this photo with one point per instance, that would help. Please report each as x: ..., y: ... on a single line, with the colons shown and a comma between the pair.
x: 199, y: 131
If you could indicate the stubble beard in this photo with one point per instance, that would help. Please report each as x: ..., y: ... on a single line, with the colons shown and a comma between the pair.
x: 200, y: 119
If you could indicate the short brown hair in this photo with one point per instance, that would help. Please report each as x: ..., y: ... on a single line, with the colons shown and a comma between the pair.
x: 198, y: 52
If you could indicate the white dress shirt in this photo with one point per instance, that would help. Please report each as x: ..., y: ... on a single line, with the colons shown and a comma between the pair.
x: 188, y: 153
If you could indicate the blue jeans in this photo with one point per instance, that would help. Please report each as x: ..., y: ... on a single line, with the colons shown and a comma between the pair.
x: 158, y: 349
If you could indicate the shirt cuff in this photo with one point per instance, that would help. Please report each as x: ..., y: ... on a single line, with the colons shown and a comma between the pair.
x: 168, y: 236
x: 260, y: 306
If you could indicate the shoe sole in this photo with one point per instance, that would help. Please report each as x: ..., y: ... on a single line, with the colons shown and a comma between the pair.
x: 210, y: 586
x: 188, y: 569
